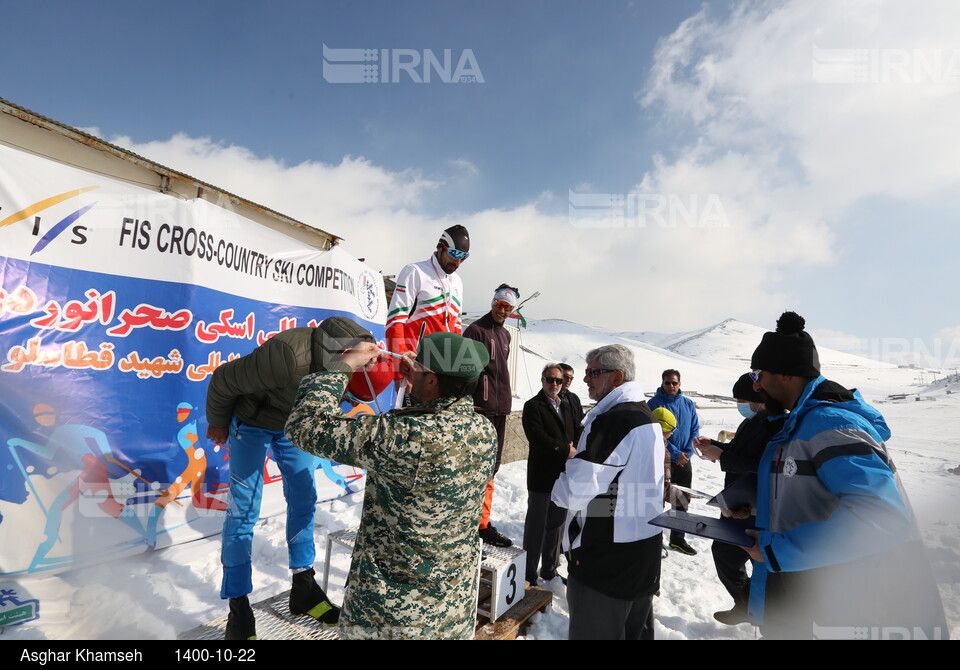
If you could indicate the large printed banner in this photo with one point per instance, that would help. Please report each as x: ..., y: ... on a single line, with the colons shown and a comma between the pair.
x: 116, y: 305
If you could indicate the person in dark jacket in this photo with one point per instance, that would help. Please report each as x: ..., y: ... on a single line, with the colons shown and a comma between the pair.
x: 248, y: 402
x: 738, y: 457
x: 552, y: 429
x: 569, y: 395
x: 494, y: 396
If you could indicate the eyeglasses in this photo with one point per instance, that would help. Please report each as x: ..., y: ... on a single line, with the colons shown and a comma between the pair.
x: 553, y: 380
x: 755, y: 374
x: 593, y: 373
x: 458, y: 255
x: 568, y: 378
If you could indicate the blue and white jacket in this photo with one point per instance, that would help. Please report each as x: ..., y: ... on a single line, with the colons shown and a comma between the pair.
x: 839, y: 541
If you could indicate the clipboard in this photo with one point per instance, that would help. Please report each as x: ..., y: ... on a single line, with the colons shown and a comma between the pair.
x: 729, y: 531
x: 742, y: 493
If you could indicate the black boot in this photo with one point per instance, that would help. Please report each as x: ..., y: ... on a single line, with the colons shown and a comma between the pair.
x: 732, y: 617
x: 241, y: 624
x: 306, y: 597
x: 494, y: 538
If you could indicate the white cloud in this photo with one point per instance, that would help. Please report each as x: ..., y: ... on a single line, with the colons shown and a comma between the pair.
x: 317, y: 193
x: 750, y: 81
x: 788, y: 155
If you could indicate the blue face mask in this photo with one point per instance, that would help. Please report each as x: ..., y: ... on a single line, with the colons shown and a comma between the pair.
x: 745, y: 411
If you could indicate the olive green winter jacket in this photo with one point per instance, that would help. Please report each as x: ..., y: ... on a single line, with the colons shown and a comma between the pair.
x: 260, y: 388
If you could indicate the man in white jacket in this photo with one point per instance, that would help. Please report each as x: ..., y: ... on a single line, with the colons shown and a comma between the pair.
x: 611, y: 489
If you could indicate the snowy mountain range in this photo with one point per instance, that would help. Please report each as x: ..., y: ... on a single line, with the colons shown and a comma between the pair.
x: 709, y: 360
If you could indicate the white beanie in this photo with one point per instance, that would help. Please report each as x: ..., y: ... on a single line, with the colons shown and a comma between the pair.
x: 506, y: 295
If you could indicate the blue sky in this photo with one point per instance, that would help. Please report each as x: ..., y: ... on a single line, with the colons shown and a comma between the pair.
x: 771, y: 155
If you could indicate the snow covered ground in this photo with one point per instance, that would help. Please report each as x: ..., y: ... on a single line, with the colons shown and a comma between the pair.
x: 166, y: 592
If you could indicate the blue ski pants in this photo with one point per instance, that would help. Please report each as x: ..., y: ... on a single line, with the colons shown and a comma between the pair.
x: 248, y: 450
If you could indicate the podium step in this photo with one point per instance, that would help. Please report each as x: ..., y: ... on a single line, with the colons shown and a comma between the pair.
x: 274, y: 622
x: 514, y: 622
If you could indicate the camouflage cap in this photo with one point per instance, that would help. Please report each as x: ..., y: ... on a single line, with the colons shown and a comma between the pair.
x: 452, y: 355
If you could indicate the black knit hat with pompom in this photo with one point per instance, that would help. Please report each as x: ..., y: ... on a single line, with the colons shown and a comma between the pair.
x: 788, y: 351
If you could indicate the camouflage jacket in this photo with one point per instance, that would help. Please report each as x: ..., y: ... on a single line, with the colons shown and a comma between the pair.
x: 414, y: 569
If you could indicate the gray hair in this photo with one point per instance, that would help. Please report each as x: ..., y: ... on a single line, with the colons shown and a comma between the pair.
x: 550, y: 366
x: 614, y: 357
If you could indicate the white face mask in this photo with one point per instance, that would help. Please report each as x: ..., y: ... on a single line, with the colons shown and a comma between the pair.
x: 745, y: 411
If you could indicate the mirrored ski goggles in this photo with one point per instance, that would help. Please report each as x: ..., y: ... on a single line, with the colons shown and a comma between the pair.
x: 458, y: 255
x: 505, y: 306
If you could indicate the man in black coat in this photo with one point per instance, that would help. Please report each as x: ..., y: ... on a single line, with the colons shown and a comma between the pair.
x: 738, y: 457
x: 552, y: 428
x: 567, y: 394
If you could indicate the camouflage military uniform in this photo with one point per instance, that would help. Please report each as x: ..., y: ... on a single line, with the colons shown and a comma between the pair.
x: 414, y: 567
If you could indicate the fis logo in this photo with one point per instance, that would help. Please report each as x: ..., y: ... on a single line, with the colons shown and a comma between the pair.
x: 67, y: 222
x: 368, y: 297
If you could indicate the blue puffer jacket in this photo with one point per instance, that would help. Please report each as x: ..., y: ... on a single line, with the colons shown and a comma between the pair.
x: 840, y: 544
x: 688, y: 424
